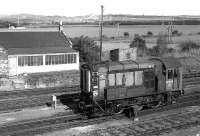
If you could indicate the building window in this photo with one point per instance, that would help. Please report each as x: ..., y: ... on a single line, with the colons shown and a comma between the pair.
x: 30, y: 60
x: 74, y: 58
x: 60, y: 59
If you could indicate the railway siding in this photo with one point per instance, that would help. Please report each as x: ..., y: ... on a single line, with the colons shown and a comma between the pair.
x: 35, y: 92
x: 152, y: 123
x: 31, y: 98
x: 151, y: 127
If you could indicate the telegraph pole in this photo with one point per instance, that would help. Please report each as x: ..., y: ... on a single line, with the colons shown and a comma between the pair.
x: 101, y: 31
x: 18, y: 20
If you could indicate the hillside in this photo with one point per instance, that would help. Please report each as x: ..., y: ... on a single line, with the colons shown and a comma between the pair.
x: 41, y: 20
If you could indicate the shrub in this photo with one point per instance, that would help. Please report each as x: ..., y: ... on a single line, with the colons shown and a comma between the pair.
x: 161, y: 47
x: 176, y: 33
x: 186, y: 46
x: 104, y: 36
x: 149, y: 33
x: 140, y: 44
x: 88, y: 49
x: 126, y: 34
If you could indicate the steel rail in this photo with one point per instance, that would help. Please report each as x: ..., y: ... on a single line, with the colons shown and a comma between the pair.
x: 28, y: 128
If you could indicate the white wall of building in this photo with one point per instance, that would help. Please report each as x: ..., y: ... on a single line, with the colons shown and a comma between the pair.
x: 12, y: 65
x: 14, y: 69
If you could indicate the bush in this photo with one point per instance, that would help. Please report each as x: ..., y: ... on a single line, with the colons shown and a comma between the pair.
x: 176, y: 33
x: 170, y: 50
x: 88, y: 49
x: 161, y: 47
x: 140, y: 44
x: 104, y: 36
x: 149, y: 33
x: 186, y: 46
x: 126, y: 34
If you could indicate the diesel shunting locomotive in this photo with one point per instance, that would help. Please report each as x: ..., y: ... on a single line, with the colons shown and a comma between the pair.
x: 116, y: 86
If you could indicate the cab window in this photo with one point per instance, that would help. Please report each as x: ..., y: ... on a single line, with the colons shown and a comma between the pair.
x: 111, y: 79
x: 119, y: 78
x: 175, y: 73
x: 102, y: 84
x: 170, y: 74
x: 129, y: 78
x: 172, y: 78
x: 149, y: 79
x: 138, y: 78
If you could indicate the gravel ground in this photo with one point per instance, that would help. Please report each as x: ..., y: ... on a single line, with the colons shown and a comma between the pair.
x: 30, y: 114
x: 193, y: 131
x: 122, y: 127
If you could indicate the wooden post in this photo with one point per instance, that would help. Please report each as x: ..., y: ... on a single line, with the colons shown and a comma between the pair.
x: 101, y: 31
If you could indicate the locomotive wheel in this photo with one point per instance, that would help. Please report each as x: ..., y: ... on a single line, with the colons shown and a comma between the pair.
x: 110, y: 109
x: 81, y: 105
x: 129, y: 112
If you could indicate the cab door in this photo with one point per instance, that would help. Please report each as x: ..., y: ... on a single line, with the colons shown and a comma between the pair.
x: 102, y: 81
x: 172, y: 79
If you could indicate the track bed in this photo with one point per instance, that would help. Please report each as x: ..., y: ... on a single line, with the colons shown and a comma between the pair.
x: 177, y: 118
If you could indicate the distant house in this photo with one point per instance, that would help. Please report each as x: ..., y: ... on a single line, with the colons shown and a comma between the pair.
x: 30, y: 53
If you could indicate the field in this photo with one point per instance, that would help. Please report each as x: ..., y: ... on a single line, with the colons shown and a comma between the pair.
x: 110, y: 31
x: 188, y: 33
x: 92, y: 31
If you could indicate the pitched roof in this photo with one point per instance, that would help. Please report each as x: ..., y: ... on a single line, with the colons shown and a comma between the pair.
x: 41, y: 50
x: 26, y: 42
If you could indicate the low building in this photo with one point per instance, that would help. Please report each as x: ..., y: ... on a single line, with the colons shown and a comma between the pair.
x: 30, y: 56
x: 120, y: 54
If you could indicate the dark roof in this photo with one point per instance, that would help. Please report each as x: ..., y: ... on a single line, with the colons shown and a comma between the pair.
x: 40, y: 42
x: 29, y: 39
x: 169, y: 62
x: 41, y: 50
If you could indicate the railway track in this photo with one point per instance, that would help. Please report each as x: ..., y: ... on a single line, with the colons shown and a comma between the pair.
x: 152, y: 127
x: 18, y: 100
x: 36, y: 92
x: 62, y: 122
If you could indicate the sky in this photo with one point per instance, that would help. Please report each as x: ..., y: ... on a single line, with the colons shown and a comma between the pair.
x: 86, y: 7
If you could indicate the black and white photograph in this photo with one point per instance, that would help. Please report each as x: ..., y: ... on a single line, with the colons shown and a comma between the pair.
x: 100, y: 68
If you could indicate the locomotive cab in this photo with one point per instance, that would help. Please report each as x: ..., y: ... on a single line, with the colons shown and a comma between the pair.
x: 115, y: 86
x: 169, y: 74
